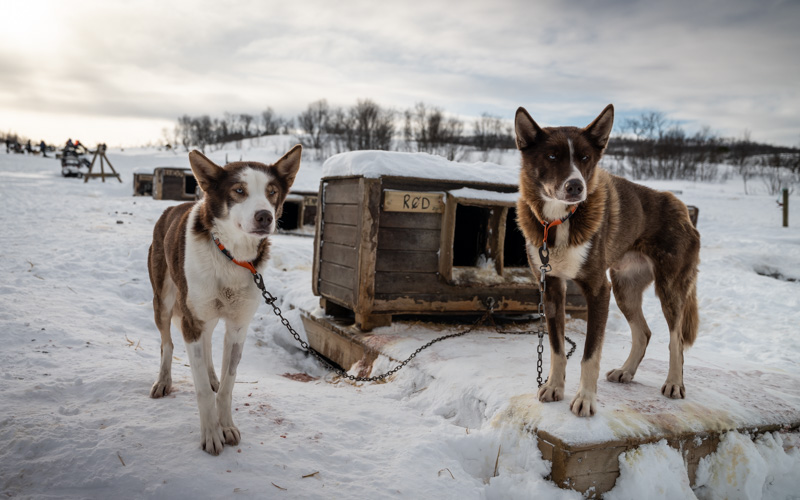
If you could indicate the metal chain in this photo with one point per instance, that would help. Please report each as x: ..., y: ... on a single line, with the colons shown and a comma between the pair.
x: 541, y: 330
x: 271, y: 301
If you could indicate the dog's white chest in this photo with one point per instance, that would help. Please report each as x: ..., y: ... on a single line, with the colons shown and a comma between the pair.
x: 566, y: 261
x: 216, y: 286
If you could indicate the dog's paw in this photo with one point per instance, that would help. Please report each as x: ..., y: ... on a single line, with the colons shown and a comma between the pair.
x: 548, y: 393
x: 619, y: 376
x: 232, y: 435
x: 160, y: 388
x: 211, y: 439
x: 584, y: 404
x: 674, y: 391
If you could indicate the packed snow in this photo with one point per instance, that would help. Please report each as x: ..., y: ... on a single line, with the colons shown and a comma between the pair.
x: 484, y: 194
x: 80, y: 352
x: 373, y: 164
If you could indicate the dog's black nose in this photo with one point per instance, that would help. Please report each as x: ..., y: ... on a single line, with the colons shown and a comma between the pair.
x: 264, y: 218
x: 574, y: 187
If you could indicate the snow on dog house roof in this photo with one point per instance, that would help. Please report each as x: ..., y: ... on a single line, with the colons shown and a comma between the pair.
x: 374, y: 164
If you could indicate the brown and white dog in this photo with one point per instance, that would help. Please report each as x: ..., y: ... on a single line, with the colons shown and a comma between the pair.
x: 640, y: 234
x: 196, y: 284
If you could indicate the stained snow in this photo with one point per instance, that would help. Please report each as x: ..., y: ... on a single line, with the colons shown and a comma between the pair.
x: 80, y: 352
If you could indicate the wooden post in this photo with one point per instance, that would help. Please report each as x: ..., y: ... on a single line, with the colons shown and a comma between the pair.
x: 101, y: 153
x: 91, y: 166
x: 785, y: 207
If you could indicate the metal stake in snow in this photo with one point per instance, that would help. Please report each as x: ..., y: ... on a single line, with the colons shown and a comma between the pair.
x: 785, y: 206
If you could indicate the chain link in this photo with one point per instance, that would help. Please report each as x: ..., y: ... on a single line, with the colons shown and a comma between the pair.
x: 271, y: 300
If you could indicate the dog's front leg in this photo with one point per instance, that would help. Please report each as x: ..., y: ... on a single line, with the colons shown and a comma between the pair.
x: 211, y: 438
x: 212, y: 375
x: 554, y: 300
x: 235, y: 333
x: 597, y: 293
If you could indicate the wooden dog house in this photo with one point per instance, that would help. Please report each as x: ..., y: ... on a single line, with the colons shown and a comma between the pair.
x: 402, y: 245
x: 143, y: 183
x: 171, y: 183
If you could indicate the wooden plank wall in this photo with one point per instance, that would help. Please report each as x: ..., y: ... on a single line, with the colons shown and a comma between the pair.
x: 339, y: 253
x: 408, y: 254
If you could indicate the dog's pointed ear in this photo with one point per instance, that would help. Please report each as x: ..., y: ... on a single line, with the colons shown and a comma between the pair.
x: 600, y: 129
x: 289, y: 163
x: 205, y: 171
x: 527, y: 130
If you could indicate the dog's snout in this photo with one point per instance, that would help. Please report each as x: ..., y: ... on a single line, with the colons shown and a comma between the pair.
x: 263, y: 218
x: 574, y: 187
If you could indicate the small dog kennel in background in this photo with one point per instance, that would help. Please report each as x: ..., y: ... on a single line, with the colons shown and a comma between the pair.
x: 401, y: 245
x: 170, y: 183
x: 299, y: 212
x: 143, y: 183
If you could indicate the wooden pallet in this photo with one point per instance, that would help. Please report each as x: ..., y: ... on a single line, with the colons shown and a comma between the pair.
x: 593, y: 468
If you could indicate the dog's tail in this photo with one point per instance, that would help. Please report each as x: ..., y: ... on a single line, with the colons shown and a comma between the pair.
x: 691, y: 318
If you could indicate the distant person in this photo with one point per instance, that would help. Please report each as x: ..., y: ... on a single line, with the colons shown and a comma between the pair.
x: 80, y: 148
x: 43, y: 149
x: 8, y: 145
x: 28, y: 148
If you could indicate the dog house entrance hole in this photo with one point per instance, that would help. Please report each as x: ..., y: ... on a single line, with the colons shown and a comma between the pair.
x: 290, y: 216
x: 471, y: 236
x: 514, y: 248
x: 190, y: 187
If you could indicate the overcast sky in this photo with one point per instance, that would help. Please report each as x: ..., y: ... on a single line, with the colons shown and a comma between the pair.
x: 121, y: 71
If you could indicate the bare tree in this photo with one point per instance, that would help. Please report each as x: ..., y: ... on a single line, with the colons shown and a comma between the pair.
x: 428, y: 129
x: 314, y: 122
x: 273, y: 123
x: 183, y: 130
x: 490, y: 133
x: 741, y: 155
x: 368, y: 126
x: 247, y: 120
x: 777, y: 174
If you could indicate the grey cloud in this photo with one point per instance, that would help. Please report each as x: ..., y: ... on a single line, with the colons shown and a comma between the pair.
x: 729, y: 64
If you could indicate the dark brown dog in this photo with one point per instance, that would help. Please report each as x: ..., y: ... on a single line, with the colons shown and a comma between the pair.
x: 640, y: 234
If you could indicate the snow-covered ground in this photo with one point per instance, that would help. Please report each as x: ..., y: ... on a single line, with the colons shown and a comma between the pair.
x: 80, y: 352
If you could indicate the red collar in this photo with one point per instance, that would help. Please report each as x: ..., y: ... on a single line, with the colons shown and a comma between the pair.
x: 558, y: 222
x: 247, y: 265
